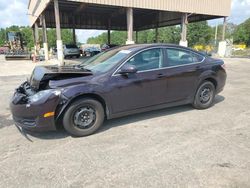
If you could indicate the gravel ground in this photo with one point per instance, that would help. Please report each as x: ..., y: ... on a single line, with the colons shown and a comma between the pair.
x: 175, y: 147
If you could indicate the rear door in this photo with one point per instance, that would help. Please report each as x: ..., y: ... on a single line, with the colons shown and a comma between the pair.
x: 183, y: 70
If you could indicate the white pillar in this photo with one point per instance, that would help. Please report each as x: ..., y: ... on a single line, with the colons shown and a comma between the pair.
x: 59, y: 42
x: 222, y: 48
x: 184, y: 22
x: 130, y: 26
x: 36, y: 39
x: 45, y: 40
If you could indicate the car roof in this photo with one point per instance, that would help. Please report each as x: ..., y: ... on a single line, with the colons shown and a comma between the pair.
x: 138, y: 47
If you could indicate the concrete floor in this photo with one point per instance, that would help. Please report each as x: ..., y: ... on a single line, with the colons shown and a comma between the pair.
x: 176, y: 147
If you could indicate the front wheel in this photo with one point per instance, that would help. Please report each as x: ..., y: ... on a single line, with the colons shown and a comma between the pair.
x: 83, y: 117
x: 204, y: 96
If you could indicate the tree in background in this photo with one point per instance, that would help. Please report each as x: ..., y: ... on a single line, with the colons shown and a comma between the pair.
x: 242, y: 33
x: 199, y: 33
x: 2, y: 36
x: 171, y: 34
x: 146, y: 36
x: 67, y: 37
x: 27, y: 34
x: 168, y: 34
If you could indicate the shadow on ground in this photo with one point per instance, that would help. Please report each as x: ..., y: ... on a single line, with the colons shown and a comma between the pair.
x: 121, y: 121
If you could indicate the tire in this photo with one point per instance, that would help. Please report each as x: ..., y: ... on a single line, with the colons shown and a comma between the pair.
x: 204, y: 97
x: 78, y: 56
x: 75, y: 113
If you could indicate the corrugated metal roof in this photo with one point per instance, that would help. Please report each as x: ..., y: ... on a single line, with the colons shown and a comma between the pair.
x: 209, y: 7
x: 213, y: 8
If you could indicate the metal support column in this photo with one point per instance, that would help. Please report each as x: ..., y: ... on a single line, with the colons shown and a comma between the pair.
x: 136, y: 37
x: 45, y: 40
x: 74, y: 35
x: 156, y: 35
x: 184, y: 22
x: 216, y: 33
x: 130, y: 26
x: 224, y: 28
x: 157, y: 28
x: 109, y: 36
x: 59, y: 43
x: 37, y: 44
x: 74, y: 30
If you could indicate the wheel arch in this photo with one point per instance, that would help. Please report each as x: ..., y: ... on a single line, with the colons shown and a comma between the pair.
x: 61, y: 110
x: 208, y: 76
x: 213, y: 80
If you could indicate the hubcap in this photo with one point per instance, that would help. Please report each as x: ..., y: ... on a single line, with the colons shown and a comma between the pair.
x: 84, y: 117
x: 205, y: 95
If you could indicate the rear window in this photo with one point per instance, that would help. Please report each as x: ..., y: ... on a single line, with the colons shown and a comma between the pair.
x: 71, y: 46
x: 182, y: 57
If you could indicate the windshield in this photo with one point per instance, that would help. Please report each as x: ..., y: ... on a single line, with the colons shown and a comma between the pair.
x: 105, y: 61
x: 70, y: 46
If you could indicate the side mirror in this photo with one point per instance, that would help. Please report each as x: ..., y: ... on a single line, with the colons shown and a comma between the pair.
x: 127, y: 69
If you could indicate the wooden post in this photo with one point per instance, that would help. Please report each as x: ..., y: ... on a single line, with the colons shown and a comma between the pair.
x: 59, y: 43
x: 130, y: 26
x: 45, y: 40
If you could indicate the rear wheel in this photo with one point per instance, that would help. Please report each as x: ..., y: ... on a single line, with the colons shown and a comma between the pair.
x: 204, y: 96
x: 83, y: 117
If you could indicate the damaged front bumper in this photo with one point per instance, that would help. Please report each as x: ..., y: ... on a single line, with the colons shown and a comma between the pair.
x: 34, y: 115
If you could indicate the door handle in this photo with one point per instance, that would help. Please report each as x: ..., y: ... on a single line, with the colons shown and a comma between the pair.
x: 160, y: 75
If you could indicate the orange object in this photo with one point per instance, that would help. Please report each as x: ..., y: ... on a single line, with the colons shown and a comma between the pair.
x: 49, y: 114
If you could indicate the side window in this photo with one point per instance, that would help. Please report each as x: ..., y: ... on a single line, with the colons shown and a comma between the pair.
x: 177, y: 57
x: 148, y: 60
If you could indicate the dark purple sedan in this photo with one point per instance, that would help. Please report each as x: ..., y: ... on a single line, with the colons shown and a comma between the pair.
x: 118, y: 82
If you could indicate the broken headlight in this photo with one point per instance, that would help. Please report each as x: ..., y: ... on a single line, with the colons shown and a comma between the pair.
x: 43, y: 94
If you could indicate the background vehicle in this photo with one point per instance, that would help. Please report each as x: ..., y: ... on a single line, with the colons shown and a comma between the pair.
x: 92, y: 51
x: 71, y: 50
x: 108, y: 46
x: 121, y: 81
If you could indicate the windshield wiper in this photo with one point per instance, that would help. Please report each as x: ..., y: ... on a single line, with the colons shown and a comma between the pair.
x: 82, y: 68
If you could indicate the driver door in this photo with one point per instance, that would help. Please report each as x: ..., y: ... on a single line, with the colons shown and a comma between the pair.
x: 142, y: 89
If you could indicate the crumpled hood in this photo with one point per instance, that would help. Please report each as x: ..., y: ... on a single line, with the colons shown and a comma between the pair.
x: 53, y: 84
x: 42, y: 75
